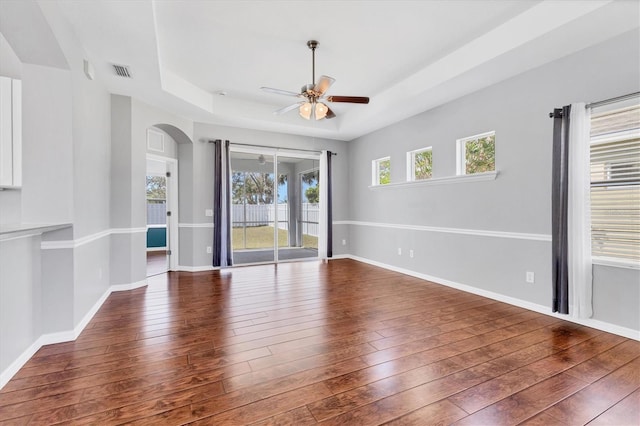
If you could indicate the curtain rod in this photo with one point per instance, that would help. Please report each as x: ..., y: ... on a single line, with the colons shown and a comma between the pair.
x: 612, y: 100
x: 607, y: 101
x: 270, y: 147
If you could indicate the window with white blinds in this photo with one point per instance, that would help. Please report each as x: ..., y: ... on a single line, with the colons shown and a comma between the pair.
x: 615, y: 184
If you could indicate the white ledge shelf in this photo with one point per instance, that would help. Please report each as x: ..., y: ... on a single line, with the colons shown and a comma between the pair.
x: 441, y: 181
x: 14, y: 230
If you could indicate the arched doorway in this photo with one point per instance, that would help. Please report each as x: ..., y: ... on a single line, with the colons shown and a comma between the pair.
x: 162, y: 197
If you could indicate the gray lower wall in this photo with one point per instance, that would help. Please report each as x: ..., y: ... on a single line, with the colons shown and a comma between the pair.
x: 58, y: 298
x: 341, y: 234
x: 128, y: 258
x: 92, y: 266
x: 462, y: 259
x: 616, y: 296
x: 20, y: 297
x: 518, y: 201
x: 193, y: 246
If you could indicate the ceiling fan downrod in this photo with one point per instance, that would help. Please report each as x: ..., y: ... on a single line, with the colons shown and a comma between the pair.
x: 312, y: 44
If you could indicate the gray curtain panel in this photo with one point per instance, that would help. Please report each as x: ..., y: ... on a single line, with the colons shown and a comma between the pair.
x: 222, y: 251
x: 559, y: 209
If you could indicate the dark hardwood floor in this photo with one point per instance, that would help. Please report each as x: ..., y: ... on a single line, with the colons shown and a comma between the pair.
x: 156, y: 262
x: 342, y: 343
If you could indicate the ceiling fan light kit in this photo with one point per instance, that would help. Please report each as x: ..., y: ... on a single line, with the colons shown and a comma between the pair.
x: 305, y: 110
x: 313, y: 105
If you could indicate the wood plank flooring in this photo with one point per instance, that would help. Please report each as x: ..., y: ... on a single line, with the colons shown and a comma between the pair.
x: 156, y: 262
x: 338, y: 343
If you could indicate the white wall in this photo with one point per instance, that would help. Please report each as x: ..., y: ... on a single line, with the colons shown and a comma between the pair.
x: 517, y: 202
x: 38, y: 286
x: 66, y: 179
x: 47, y: 190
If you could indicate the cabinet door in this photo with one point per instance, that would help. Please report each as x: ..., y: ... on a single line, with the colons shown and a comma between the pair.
x: 6, y: 144
x: 16, y: 141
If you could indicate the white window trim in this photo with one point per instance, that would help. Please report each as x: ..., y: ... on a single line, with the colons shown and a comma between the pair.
x: 476, y: 177
x: 411, y: 163
x: 614, y: 262
x: 375, y: 171
x: 461, y: 148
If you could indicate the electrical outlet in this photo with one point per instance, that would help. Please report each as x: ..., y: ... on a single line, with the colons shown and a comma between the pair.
x: 411, y: 254
x: 208, y: 212
x: 209, y: 251
x: 344, y: 242
x: 530, y: 277
x: 399, y: 251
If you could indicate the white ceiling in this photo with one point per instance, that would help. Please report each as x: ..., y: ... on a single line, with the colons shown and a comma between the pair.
x: 407, y: 56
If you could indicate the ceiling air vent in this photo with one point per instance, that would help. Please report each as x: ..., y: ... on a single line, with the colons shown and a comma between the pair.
x: 122, y: 70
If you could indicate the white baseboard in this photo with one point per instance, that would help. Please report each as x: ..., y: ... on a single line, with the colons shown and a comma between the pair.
x: 87, y: 317
x: 593, y: 323
x: 125, y: 287
x: 156, y: 249
x: 58, y: 337
x: 181, y: 268
x: 341, y: 256
x: 63, y: 336
x: 17, y: 364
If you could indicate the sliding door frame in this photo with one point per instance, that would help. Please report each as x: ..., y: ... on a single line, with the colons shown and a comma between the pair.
x: 274, y: 152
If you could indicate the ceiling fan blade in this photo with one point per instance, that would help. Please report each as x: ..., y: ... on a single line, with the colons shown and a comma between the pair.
x: 281, y: 92
x: 330, y: 114
x: 349, y: 99
x: 288, y: 108
x: 324, y: 82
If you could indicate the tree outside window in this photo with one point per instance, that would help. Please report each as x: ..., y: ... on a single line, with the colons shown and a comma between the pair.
x: 381, y: 171
x: 477, y: 154
x: 419, y: 164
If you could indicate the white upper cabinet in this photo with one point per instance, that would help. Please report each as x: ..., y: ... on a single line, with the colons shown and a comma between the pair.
x: 10, y: 132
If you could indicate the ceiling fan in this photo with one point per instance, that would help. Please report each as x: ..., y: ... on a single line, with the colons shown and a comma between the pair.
x: 314, y: 98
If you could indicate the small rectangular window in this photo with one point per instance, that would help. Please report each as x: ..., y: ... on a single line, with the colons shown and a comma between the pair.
x: 381, y: 171
x: 615, y: 183
x: 419, y: 164
x: 476, y: 154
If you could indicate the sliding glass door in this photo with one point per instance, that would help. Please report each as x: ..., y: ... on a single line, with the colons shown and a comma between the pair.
x: 275, y: 206
x: 252, y: 196
x: 298, y: 208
